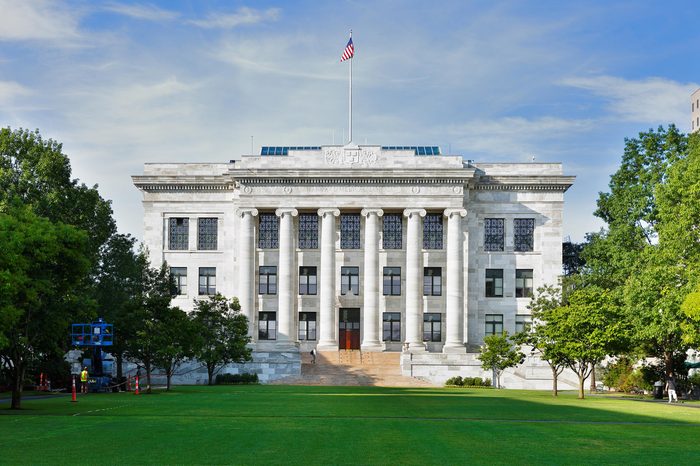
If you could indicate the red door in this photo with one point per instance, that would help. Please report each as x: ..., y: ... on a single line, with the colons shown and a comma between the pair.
x: 349, y: 328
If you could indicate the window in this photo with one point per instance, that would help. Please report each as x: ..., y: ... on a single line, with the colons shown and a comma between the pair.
x: 268, y: 234
x: 207, y: 233
x: 432, y: 281
x: 179, y: 275
x: 308, y: 231
x: 391, y: 238
x: 432, y: 231
x: 307, y: 280
x: 494, y: 234
x: 207, y: 280
x: 494, y: 324
x: 350, y: 231
x: 522, y: 322
x: 523, y: 283
x: 179, y: 230
x: 431, y: 327
x: 307, y: 326
x: 267, y: 326
x: 267, y: 280
x: 392, y: 281
x: 524, y: 229
x: 350, y: 280
x: 391, y: 326
x: 494, y: 283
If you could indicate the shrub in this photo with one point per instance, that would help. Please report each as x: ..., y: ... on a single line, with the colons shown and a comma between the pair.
x: 615, y: 374
x: 229, y: 379
x: 477, y: 382
x: 468, y: 381
x: 487, y: 382
x: 457, y: 381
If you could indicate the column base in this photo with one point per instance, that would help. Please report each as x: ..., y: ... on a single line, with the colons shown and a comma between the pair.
x: 327, y: 345
x: 288, y: 346
x: 416, y: 347
x: 372, y: 346
x: 454, y: 348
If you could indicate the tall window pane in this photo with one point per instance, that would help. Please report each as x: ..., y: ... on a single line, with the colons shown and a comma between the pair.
x: 523, y: 283
x: 494, y: 234
x: 432, y: 281
x: 178, y: 234
x: 268, y: 232
x: 494, y: 324
x: 432, y: 326
x: 350, y: 280
x: 494, y: 283
x: 307, y: 326
x: 207, y: 280
x: 308, y: 231
x: 267, y: 326
x: 392, y: 231
x: 307, y: 281
x: 267, y: 280
x: 207, y: 233
x: 432, y: 231
x: 391, y: 326
x: 350, y: 231
x: 523, y: 234
x: 392, y: 281
x: 522, y: 322
x: 179, y: 275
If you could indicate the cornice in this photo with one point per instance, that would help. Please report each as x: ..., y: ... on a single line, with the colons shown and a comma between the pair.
x: 525, y: 183
x: 183, y: 183
x: 267, y: 177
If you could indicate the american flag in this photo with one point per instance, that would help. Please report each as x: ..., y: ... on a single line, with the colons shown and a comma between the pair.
x: 349, y: 51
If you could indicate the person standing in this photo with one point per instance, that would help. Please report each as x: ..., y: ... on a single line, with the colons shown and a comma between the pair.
x: 313, y: 356
x: 671, y: 388
x: 84, y: 380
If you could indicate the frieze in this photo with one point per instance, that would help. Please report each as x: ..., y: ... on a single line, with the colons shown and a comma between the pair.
x: 352, y: 190
x: 351, y: 156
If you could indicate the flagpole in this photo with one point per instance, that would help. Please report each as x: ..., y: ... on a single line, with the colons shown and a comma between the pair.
x: 350, y: 99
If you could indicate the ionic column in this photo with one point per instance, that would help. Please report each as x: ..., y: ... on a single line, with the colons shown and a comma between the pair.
x: 327, y: 326
x: 454, y: 318
x: 246, y: 266
x: 286, y: 336
x: 370, y: 338
x: 414, y: 279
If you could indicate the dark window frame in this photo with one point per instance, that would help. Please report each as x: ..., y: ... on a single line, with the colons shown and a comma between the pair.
x: 493, y: 324
x: 207, y: 233
x: 523, y: 234
x: 308, y: 326
x: 433, y: 229
x: 432, y: 281
x: 308, y: 280
x: 393, y: 287
x: 350, y: 231
x: 524, y: 283
x: 208, y: 288
x: 353, y: 281
x: 266, y: 286
x: 268, y: 231
x: 178, y: 233
x: 493, y: 283
x: 494, y: 234
x: 267, y: 328
x: 308, y: 231
x: 176, y: 273
x: 392, y: 231
x: 391, y: 326
x: 432, y: 327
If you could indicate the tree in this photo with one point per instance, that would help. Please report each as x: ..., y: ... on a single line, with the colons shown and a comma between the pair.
x: 224, y: 332
x: 545, y: 300
x: 151, y: 317
x: 572, y: 262
x: 499, y: 353
x: 175, y: 342
x: 41, y: 263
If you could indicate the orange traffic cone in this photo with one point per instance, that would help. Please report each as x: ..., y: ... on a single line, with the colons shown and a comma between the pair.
x: 137, y: 386
x: 74, y: 397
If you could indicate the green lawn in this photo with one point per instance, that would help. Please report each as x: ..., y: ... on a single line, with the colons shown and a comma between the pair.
x: 347, y: 425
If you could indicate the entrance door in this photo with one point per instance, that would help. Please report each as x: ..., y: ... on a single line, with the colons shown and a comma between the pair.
x: 349, y: 328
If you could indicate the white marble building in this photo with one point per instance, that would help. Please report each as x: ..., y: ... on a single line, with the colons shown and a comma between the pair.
x: 360, y: 247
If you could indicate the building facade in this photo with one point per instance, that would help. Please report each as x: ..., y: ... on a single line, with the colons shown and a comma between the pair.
x: 372, y: 248
x: 695, y: 111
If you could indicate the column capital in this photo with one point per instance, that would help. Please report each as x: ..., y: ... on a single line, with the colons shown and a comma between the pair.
x: 324, y: 211
x: 286, y: 210
x: 247, y: 210
x: 450, y: 212
x: 410, y: 212
x: 368, y: 212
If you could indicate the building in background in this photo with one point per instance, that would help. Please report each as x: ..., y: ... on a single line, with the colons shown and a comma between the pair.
x: 371, y: 248
x: 695, y: 111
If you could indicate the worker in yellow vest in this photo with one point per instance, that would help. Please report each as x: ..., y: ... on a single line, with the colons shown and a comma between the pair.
x: 84, y: 380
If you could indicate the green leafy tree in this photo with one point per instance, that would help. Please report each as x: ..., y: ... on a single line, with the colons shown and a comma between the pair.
x: 224, y: 333
x: 498, y: 353
x: 41, y: 264
x: 545, y: 300
x: 175, y: 342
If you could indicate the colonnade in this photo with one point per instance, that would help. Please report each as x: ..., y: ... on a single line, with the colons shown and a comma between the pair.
x: 371, y: 328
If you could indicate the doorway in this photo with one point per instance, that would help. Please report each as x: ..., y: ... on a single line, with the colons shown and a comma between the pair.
x: 349, y: 328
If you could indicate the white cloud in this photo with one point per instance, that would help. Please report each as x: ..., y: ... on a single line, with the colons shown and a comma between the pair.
x: 244, y: 15
x: 41, y: 20
x: 146, y: 12
x: 650, y: 100
x: 9, y: 90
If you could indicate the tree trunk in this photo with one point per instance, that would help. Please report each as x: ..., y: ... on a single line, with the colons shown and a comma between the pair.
x: 555, y: 377
x: 210, y: 372
x: 17, y: 387
x: 668, y: 362
x: 591, y: 388
x: 120, y: 361
x: 148, y: 377
x: 167, y: 386
x: 581, y: 381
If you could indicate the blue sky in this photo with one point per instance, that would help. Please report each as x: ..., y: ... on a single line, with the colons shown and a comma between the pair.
x: 123, y: 83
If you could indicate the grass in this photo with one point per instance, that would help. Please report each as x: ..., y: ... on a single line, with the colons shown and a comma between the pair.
x: 347, y: 425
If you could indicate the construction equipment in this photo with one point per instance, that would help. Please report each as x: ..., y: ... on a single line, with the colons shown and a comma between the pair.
x: 94, y: 337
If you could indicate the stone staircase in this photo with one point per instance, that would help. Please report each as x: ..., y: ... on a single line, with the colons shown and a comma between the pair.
x: 353, y: 368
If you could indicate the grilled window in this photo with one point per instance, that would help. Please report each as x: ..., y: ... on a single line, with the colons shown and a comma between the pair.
x: 393, y: 230
x: 432, y: 231
x: 350, y: 231
x: 524, y: 232
x: 494, y: 234
x: 269, y: 231
x: 308, y: 231
x: 179, y: 231
x: 207, y: 229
